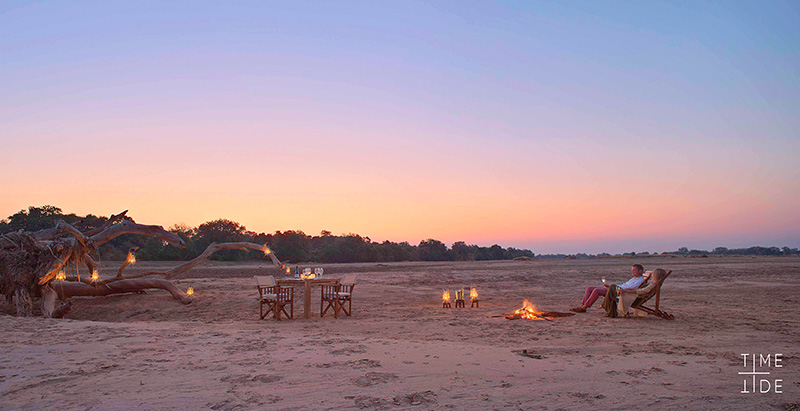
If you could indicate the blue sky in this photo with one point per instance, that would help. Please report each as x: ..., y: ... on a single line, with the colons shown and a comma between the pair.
x: 558, y: 126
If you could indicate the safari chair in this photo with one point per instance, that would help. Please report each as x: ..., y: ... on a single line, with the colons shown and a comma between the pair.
x: 345, y: 293
x: 275, y: 297
x: 329, y: 300
x: 656, y: 291
x: 339, y: 297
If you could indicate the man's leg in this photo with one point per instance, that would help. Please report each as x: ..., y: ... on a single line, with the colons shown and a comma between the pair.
x: 595, y: 295
x: 587, y: 294
x: 589, y: 297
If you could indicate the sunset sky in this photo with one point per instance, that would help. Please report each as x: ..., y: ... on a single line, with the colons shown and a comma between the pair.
x: 554, y: 126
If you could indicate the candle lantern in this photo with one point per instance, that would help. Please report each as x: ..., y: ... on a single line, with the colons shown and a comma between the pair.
x: 460, y: 298
x: 473, y: 297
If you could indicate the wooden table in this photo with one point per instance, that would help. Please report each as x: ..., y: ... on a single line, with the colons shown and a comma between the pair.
x: 307, y: 284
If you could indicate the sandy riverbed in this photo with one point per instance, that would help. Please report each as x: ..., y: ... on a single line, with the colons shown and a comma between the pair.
x: 400, y: 349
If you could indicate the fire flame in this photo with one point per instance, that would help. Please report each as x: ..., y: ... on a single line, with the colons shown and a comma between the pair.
x: 529, y: 311
x: 131, y: 258
x: 95, y: 276
x: 473, y: 294
x: 60, y: 276
x: 446, y: 295
x: 190, y: 291
x: 267, y: 251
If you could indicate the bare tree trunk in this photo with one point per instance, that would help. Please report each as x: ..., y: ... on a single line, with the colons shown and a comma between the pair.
x: 74, y: 289
x: 49, y: 296
x: 37, y: 262
x: 23, y: 302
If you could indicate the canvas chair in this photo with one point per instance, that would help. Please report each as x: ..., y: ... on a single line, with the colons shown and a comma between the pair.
x: 275, y: 297
x: 656, y: 291
x: 329, y: 300
x: 346, y: 293
x: 339, y: 297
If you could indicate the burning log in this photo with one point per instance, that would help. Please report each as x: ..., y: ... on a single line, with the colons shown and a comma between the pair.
x: 529, y: 311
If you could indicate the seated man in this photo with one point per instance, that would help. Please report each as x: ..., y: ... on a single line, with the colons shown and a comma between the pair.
x: 593, y: 293
x: 627, y: 297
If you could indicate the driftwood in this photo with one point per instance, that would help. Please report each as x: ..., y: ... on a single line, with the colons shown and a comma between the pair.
x: 35, y: 264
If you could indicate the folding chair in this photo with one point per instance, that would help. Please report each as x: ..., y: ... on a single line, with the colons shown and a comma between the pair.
x: 345, y: 293
x: 656, y: 291
x: 329, y: 300
x: 337, y: 296
x: 276, y: 298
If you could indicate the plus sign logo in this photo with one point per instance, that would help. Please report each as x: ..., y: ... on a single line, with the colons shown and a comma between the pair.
x: 759, y: 380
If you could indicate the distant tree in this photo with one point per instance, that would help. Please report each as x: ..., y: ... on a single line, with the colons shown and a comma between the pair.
x: 463, y: 252
x: 37, y: 218
x: 512, y: 253
x: 154, y: 249
x: 292, y: 246
x: 432, y: 250
x: 219, y: 231
x: 351, y: 248
x: 497, y: 253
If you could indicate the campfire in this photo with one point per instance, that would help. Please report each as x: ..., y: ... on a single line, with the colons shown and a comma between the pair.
x: 529, y: 311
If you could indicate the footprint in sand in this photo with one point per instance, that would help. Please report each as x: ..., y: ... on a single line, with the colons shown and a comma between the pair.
x: 417, y: 398
x: 373, y: 378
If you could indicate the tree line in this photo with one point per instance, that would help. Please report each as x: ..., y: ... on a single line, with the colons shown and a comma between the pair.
x: 684, y: 251
x: 291, y: 246
x: 296, y: 246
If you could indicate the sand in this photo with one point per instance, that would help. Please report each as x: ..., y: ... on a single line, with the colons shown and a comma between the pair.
x: 401, y: 350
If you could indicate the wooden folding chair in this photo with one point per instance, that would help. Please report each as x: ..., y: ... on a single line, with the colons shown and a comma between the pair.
x: 329, y: 300
x: 656, y: 291
x: 339, y: 297
x: 345, y: 293
x: 275, y: 297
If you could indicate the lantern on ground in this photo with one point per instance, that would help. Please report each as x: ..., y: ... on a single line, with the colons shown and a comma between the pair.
x: 446, y: 299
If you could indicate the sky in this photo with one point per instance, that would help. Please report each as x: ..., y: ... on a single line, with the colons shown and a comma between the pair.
x: 555, y: 126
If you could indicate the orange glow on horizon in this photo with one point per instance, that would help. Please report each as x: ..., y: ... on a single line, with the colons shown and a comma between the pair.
x: 498, y: 196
